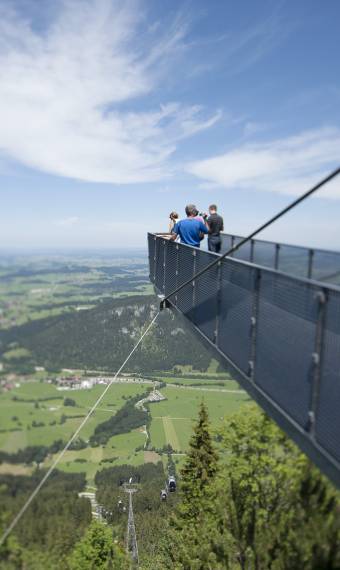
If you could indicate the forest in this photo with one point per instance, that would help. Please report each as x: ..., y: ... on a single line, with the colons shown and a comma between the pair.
x: 127, y: 418
x: 247, y: 499
x: 54, y: 523
x: 96, y: 339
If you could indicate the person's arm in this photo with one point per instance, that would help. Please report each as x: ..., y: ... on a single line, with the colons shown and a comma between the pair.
x: 204, y: 228
x: 222, y: 227
x: 174, y: 232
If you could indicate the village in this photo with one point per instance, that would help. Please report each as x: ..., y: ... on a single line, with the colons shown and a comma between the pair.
x: 70, y: 380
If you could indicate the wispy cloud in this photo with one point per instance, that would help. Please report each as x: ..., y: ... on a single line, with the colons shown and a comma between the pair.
x: 64, y: 92
x: 287, y: 166
x: 244, y: 49
x: 242, y: 44
x: 68, y: 222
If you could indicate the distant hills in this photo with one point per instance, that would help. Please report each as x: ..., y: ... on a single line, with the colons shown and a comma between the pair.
x: 101, y: 337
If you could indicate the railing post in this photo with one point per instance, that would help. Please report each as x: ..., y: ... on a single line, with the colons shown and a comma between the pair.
x: 277, y: 256
x: 322, y: 299
x: 310, y: 263
x: 177, y: 265
x: 232, y: 244
x: 194, y: 252
x: 154, y: 260
x: 252, y: 244
x: 253, y: 324
x: 164, y: 263
x: 218, y: 301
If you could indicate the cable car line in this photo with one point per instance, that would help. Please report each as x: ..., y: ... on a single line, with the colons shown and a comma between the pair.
x: 74, y: 436
x: 165, y: 301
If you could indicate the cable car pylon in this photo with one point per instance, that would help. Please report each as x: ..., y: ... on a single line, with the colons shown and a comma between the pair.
x: 131, y: 539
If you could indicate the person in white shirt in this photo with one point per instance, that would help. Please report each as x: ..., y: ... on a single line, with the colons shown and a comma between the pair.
x: 173, y: 221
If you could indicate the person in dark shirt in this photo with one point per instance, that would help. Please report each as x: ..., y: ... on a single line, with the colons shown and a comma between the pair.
x: 215, y: 224
x: 191, y: 229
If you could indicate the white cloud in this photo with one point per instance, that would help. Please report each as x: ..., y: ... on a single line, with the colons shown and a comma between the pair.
x: 71, y: 221
x: 64, y: 93
x: 288, y: 166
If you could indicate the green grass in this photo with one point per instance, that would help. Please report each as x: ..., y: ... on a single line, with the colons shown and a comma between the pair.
x: 121, y: 447
x: 157, y: 433
x: 172, y: 420
x: 203, y: 381
x: 16, y: 353
x: 171, y: 433
x: 52, y: 411
x: 32, y: 390
x: 182, y: 407
x: 146, y: 289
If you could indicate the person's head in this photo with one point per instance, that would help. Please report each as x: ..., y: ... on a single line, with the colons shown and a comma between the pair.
x: 173, y: 216
x: 191, y: 210
x: 212, y: 209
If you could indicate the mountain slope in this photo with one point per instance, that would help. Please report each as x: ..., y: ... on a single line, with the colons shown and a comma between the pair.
x: 101, y: 337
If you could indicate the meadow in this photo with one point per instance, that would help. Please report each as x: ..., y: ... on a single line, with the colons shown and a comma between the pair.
x: 35, y: 414
x: 172, y: 419
x: 41, y: 403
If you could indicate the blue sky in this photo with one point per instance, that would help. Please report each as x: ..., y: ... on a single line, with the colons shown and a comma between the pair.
x: 115, y: 113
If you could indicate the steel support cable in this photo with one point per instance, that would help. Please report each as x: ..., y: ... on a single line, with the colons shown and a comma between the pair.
x: 164, y: 302
x: 76, y: 433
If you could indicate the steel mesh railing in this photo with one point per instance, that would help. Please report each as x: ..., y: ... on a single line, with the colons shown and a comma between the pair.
x: 279, y: 333
x: 321, y: 265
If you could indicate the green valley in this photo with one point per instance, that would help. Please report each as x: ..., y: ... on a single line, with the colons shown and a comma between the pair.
x: 57, y: 357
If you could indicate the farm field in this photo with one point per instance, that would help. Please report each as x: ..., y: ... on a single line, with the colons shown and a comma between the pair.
x: 38, y: 287
x: 120, y: 449
x: 42, y: 405
x: 206, y: 381
x: 19, y: 414
x: 172, y: 418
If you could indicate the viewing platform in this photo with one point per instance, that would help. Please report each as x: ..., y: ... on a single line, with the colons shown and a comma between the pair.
x: 271, y: 314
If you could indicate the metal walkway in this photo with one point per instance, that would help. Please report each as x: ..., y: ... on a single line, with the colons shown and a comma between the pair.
x: 278, y: 333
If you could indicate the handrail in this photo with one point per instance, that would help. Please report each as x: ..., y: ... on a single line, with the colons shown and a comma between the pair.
x: 280, y: 243
x: 314, y: 263
x: 243, y: 262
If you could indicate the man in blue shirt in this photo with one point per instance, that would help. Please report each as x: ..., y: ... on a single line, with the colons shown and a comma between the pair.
x: 190, y: 229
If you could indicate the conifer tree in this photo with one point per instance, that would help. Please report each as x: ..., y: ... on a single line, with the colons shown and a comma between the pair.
x: 97, y: 550
x: 275, y: 508
x: 193, y: 529
x: 200, y: 467
x: 266, y: 506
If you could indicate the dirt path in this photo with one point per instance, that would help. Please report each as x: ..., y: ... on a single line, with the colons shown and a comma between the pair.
x: 171, y: 418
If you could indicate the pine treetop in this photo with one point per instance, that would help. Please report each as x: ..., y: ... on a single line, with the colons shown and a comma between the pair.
x: 202, y: 460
